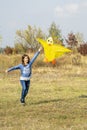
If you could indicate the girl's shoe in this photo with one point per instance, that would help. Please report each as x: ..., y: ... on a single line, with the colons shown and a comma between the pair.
x: 22, y: 101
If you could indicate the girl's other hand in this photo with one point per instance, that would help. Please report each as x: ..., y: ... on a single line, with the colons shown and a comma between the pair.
x: 6, y: 71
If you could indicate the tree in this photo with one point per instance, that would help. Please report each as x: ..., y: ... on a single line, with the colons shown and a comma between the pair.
x: 55, y: 33
x: 82, y: 49
x: 27, y: 38
x: 79, y: 37
x: 72, y: 41
x: 19, y: 48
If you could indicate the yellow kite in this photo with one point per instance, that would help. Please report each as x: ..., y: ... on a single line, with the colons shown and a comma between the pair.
x: 52, y: 51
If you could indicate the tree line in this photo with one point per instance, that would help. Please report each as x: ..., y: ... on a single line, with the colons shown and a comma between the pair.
x: 25, y: 40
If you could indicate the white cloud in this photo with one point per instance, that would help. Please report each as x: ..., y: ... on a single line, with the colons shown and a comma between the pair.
x: 70, y: 9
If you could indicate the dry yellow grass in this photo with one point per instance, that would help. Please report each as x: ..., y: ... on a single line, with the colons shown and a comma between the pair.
x: 57, y: 99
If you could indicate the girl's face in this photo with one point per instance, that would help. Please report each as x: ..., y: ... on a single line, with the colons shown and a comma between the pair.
x: 26, y: 60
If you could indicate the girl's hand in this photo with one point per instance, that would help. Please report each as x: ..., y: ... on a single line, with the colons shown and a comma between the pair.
x: 6, y: 71
x: 40, y: 49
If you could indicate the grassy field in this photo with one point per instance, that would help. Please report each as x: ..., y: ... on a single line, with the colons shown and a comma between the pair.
x: 57, y: 99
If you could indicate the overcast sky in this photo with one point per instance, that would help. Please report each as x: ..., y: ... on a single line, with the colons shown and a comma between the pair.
x: 69, y: 15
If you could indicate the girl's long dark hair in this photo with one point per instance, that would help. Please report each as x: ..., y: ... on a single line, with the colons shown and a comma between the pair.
x: 24, y: 57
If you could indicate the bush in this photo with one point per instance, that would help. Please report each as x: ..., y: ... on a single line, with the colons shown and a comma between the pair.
x: 83, y: 49
x: 8, y: 50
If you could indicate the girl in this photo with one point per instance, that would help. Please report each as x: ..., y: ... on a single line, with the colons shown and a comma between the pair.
x: 26, y: 71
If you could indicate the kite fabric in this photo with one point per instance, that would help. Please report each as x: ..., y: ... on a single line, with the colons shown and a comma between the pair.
x: 52, y: 51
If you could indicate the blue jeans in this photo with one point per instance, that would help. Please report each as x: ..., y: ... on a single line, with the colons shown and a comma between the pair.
x: 25, y: 88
